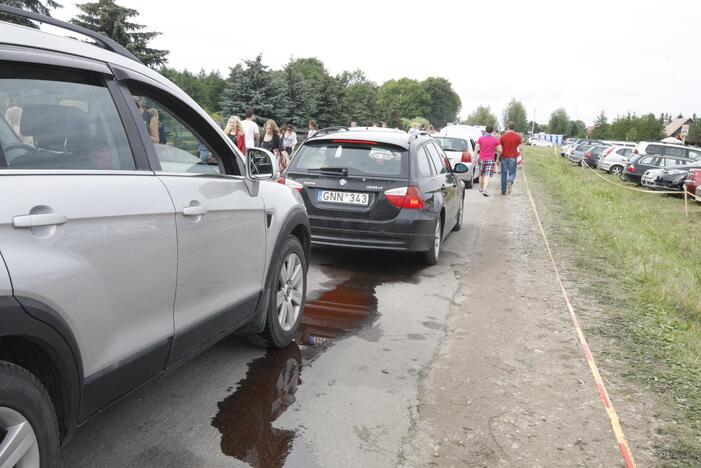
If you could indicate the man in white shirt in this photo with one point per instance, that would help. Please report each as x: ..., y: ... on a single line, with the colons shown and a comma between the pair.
x: 251, y: 130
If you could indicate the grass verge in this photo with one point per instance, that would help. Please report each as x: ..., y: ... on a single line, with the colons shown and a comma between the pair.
x: 642, y: 259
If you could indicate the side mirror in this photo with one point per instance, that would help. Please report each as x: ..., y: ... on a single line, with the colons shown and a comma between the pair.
x: 460, y: 168
x: 261, y: 164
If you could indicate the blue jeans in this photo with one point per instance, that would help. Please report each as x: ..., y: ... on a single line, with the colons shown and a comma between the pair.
x: 508, y: 172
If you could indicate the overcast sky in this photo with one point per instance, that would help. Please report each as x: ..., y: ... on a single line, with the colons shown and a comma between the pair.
x: 616, y: 55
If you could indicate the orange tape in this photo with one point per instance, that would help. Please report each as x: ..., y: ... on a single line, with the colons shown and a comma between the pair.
x: 601, y: 388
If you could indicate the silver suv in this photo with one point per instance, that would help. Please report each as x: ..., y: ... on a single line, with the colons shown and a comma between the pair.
x: 122, y: 251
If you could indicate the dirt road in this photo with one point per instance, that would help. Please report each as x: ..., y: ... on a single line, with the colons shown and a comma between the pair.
x: 509, y: 386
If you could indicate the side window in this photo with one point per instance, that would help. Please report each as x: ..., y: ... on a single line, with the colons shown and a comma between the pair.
x: 437, y: 158
x: 177, y: 145
x: 654, y: 149
x: 695, y: 155
x: 621, y: 151
x: 673, y: 151
x: 423, y: 163
x: 648, y: 161
x: 60, y: 119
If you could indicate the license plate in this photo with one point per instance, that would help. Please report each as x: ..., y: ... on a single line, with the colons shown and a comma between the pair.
x: 346, y: 198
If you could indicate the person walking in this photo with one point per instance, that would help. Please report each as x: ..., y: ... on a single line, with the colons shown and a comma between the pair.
x: 235, y: 131
x: 289, y: 140
x: 313, y: 128
x: 251, y: 130
x: 487, y: 146
x: 272, y: 142
x: 511, y: 149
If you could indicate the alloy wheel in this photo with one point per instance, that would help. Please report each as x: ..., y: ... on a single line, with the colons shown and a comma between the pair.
x: 290, y: 291
x: 19, y: 447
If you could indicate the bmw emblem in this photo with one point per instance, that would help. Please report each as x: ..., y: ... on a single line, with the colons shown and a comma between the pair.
x: 342, y: 182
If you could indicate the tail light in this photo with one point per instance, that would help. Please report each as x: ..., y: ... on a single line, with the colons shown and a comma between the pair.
x: 466, y: 157
x: 588, y: 154
x: 607, y: 152
x: 630, y: 169
x: 635, y: 150
x: 406, y: 197
x: 293, y: 184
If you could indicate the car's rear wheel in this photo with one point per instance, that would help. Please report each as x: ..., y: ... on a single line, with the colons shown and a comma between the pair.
x: 29, y: 434
x: 431, y: 255
x: 288, y: 289
x: 461, y: 213
x: 616, y: 170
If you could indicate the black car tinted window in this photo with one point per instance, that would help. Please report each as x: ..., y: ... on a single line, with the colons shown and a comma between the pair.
x: 359, y: 158
x: 425, y: 168
x: 437, y: 158
x: 648, y: 160
x: 674, y: 151
x: 654, y: 149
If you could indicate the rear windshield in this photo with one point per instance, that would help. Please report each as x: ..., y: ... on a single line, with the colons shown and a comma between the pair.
x: 452, y: 144
x: 359, y: 159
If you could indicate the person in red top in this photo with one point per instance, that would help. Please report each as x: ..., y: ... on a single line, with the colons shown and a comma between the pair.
x: 510, y: 149
x: 487, y: 147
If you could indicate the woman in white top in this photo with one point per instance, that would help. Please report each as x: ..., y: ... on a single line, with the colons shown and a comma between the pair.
x: 289, y: 139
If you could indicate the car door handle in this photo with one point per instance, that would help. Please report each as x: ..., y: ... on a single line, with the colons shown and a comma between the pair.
x: 36, y: 220
x: 198, y: 210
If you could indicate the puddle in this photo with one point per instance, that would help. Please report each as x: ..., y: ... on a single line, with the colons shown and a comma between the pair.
x: 245, y: 418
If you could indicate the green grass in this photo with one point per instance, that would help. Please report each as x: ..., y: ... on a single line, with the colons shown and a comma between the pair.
x: 640, y: 256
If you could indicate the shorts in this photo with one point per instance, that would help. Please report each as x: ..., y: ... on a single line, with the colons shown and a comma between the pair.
x: 487, y: 168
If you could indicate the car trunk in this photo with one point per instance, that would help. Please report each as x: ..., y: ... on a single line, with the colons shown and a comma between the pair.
x: 347, y: 180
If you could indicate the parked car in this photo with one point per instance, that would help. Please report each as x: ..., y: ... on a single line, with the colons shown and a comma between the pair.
x: 378, y: 190
x: 540, y: 143
x: 591, y: 157
x: 614, y: 159
x: 636, y: 167
x: 570, y: 150
x: 674, y: 179
x: 693, y: 181
x: 649, y: 178
x: 578, y: 151
x: 123, y: 254
x: 667, y: 149
x: 460, y: 150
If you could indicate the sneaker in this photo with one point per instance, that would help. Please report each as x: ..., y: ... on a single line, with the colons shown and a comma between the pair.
x: 503, y: 193
x: 484, y: 192
x: 508, y: 188
x: 480, y: 190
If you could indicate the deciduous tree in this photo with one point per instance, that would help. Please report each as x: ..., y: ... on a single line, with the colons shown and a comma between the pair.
x: 515, y: 112
x: 483, y: 115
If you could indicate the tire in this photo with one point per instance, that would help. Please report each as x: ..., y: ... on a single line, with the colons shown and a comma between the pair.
x: 24, y: 401
x: 461, y: 214
x: 616, y: 170
x: 432, y: 255
x: 280, y: 327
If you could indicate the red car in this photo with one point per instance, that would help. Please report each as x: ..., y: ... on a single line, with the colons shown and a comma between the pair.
x: 693, y: 182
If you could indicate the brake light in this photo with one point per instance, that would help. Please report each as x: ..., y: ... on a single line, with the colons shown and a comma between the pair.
x: 635, y: 150
x: 607, y: 152
x: 406, y: 197
x: 631, y: 169
x: 293, y: 184
x: 588, y: 153
x: 355, y: 142
x: 466, y: 157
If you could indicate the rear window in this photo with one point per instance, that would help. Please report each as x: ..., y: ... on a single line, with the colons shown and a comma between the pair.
x: 452, y: 144
x: 359, y: 159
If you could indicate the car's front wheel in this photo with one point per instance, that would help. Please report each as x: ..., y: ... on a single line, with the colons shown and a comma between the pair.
x: 29, y: 434
x: 288, y: 289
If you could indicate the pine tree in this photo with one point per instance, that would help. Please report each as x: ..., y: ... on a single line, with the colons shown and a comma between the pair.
x: 106, y: 17
x: 37, y: 6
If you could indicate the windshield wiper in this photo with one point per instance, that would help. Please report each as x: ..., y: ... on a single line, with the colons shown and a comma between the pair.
x: 330, y: 171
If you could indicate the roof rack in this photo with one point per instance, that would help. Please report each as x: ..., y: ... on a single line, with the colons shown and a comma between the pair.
x: 327, y: 130
x: 103, y: 40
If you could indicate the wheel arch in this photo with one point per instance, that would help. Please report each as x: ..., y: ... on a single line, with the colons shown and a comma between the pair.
x: 34, y: 343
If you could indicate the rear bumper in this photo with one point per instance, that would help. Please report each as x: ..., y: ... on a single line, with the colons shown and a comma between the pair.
x: 410, y: 231
x: 630, y: 177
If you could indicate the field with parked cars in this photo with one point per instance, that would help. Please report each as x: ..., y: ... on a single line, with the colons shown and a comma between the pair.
x: 638, y: 257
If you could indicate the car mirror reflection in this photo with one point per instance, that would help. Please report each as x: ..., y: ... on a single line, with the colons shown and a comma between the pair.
x: 261, y: 164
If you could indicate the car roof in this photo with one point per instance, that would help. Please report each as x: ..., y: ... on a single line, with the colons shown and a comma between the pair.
x: 662, y: 143
x: 24, y: 37
x: 396, y: 138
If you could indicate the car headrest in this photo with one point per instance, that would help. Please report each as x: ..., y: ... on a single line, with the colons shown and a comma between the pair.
x: 54, y: 126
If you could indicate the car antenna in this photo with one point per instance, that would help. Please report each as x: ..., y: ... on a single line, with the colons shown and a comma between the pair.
x: 105, y: 41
